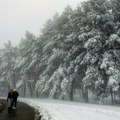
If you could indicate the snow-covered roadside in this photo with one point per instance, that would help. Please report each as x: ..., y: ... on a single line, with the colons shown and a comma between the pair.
x: 59, y: 110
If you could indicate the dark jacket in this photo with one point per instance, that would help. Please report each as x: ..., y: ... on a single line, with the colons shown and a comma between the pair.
x: 15, y: 95
x: 9, y: 96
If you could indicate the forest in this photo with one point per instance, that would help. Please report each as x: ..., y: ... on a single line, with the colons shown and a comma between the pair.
x: 77, y: 50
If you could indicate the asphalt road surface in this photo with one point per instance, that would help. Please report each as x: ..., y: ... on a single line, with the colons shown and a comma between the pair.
x: 23, y: 112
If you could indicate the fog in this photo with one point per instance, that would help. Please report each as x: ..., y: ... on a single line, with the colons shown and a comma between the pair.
x: 17, y: 16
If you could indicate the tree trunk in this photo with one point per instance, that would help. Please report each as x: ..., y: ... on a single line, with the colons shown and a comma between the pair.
x: 71, y: 95
x: 86, y: 95
x: 24, y: 90
x: 112, y: 96
x: 83, y: 93
x: 119, y: 95
x: 71, y: 92
x: 30, y: 88
x: 80, y: 93
x: 37, y: 94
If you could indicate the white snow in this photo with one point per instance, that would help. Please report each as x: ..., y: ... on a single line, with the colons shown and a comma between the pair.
x: 62, y: 110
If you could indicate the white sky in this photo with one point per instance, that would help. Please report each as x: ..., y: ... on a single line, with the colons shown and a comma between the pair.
x: 17, y: 16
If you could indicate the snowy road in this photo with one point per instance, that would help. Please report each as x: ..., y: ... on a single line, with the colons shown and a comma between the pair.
x: 58, y: 110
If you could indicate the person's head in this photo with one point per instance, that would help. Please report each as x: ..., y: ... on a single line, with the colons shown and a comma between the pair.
x: 14, y: 90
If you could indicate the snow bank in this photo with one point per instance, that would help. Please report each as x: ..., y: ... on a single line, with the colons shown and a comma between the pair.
x: 60, y: 110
